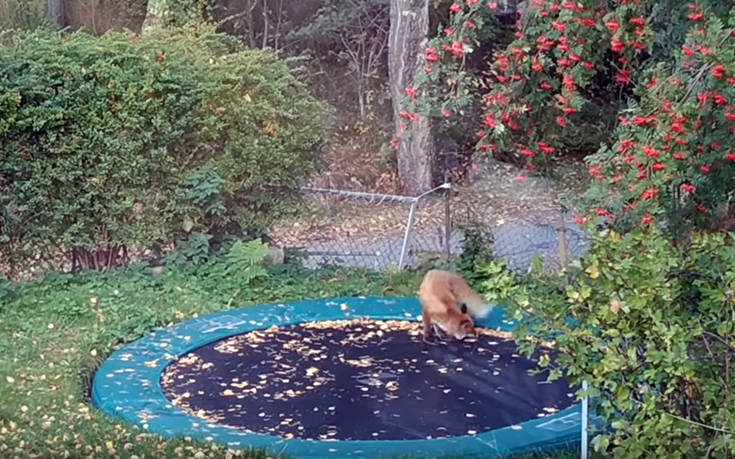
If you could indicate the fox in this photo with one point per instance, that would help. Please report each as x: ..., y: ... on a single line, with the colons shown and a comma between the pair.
x: 449, y: 304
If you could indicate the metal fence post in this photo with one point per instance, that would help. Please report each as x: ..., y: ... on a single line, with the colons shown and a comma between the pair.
x: 407, y: 235
x: 448, y: 221
x: 563, y: 250
x: 585, y: 414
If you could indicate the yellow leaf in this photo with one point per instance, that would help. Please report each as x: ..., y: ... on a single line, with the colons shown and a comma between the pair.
x: 312, y: 371
x: 188, y: 224
x: 614, y: 305
x: 614, y: 236
x: 109, y: 444
x: 247, y: 98
x: 593, y: 272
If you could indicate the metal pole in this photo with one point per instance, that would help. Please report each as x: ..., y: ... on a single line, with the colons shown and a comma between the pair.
x: 409, y: 226
x: 585, y: 411
x: 447, y: 222
x: 563, y: 250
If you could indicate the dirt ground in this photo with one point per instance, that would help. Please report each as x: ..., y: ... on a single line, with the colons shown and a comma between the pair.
x: 492, y: 194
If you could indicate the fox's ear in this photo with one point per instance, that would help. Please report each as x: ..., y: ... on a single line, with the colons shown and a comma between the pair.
x: 463, y: 308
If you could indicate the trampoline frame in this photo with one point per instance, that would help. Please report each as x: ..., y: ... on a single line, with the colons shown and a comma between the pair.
x: 127, y: 386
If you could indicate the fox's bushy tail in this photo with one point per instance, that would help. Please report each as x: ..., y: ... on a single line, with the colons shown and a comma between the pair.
x: 476, y: 305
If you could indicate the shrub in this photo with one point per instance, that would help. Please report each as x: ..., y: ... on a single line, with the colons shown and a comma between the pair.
x: 673, y: 159
x: 555, y: 89
x: 117, y: 141
x: 650, y: 327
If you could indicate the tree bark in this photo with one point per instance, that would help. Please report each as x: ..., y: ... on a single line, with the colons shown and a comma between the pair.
x: 409, y: 26
x: 153, y: 14
x: 55, y: 12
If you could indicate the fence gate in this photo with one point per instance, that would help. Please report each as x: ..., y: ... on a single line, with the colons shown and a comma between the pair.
x: 376, y: 231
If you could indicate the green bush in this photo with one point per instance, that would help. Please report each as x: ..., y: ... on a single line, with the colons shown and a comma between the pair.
x: 118, y: 141
x: 650, y: 327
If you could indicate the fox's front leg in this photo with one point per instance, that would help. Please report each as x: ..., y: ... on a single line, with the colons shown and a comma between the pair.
x: 441, y: 335
x: 428, y: 331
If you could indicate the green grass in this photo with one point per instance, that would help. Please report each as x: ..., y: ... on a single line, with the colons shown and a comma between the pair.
x: 54, y: 332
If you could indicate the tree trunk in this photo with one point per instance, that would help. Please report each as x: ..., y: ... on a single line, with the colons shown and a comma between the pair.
x: 409, y: 25
x: 153, y: 14
x: 55, y: 12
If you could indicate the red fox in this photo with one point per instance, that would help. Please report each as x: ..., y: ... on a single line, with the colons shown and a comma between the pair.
x: 449, y: 303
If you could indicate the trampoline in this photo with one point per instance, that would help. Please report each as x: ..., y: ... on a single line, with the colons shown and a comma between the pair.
x: 342, y: 377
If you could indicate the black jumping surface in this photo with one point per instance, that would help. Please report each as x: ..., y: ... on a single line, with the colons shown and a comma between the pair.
x: 360, y: 380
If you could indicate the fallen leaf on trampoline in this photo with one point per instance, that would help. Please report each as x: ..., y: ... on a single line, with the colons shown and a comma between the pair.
x: 312, y: 371
x: 151, y: 363
x: 470, y: 415
x: 471, y: 432
x: 443, y: 370
x: 228, y: 393
x: 391, y: 385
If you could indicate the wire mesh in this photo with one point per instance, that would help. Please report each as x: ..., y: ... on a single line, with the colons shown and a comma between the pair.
x: 368, y: 230
x: 377, y: 231
x: 518, y: 243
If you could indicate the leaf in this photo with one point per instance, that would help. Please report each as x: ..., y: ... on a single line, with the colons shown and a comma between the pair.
x: 615, y: 305
x: 188, y: 224
x: 592, y: 271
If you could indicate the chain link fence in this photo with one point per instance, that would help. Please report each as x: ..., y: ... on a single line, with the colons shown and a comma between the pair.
x: 378, y: 231
x: 371, y: 230
x: 554, y: 237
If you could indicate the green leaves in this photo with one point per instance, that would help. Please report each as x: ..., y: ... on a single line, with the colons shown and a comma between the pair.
x: 648, y: 326
x: 119, y: 140
x: 244, y: 260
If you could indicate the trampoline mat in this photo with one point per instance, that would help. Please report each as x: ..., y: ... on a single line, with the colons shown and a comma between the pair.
x: 361, y: 380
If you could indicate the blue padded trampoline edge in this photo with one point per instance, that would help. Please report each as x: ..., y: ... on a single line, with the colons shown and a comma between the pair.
x: 127, y: 385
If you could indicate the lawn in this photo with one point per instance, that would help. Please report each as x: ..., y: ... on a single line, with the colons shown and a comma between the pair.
x: 55, y: 331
